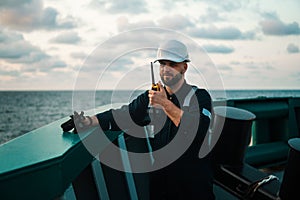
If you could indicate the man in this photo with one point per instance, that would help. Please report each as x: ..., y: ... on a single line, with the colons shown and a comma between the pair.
x: 186, y: 113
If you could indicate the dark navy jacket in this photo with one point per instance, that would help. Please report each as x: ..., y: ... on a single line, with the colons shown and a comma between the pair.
x: 188, y: 177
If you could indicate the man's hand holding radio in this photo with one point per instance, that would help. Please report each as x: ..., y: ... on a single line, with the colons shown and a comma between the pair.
x: 158, y: 98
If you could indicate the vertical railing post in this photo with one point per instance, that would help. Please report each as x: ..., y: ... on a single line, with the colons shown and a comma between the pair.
x: 84, y: 185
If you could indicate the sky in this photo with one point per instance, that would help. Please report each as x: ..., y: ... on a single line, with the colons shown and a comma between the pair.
x: 109, y: 44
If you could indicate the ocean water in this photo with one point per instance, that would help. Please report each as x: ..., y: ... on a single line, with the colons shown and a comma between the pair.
x: 24, y: 111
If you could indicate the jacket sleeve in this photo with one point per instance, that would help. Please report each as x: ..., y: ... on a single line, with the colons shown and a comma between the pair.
x: 127, y: 117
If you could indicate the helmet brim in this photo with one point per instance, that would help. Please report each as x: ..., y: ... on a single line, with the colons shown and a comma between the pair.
x: 173, y: 60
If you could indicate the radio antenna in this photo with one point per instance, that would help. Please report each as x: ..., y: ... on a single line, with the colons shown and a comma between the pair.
x: 152, y: 74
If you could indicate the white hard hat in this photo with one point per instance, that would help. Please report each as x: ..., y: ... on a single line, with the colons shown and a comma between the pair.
x: 172, y: 50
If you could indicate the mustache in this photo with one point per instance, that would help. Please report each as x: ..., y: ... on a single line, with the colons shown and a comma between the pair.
x: 173, y: 75
x: 168, y: 74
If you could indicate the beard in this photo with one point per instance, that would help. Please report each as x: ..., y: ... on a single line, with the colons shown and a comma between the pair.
x: 173, y: 80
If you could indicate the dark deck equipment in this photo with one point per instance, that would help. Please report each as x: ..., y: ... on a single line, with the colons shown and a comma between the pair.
x: 231, y: 171
x: 235, y: 136
x: 290, y: 185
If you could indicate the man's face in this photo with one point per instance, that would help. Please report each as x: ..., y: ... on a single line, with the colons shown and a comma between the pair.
x: 171, y: 72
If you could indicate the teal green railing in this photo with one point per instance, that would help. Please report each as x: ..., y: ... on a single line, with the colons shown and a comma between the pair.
x: 277, y: 120
x: 41, y: 164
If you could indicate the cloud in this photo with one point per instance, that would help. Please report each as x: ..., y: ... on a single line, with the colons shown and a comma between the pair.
x: 218, y: 49
x: 50, y: 64
x: 49, y: 20
x: 292, y: 48
x: 253, y: 65
x: 272, y: 25
x: 184, y: 24
x: 227, y: 6
x: 78, y: 55
x: 111, y: 56
x: 225, y: 33
x: 14, y: 48
x: 31, y: 15
x: 176, y: 22
x: 120, y: 6
x: 128, y: 49
x: 212, y: 15
x: 9, y: 73
x: 6, y: 37
x: 18, y: 53
x: 67, y: 38
x: 123, y: 24
x: 13, y: 3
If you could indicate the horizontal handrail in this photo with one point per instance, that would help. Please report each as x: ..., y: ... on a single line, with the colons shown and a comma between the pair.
x: 43, y: 163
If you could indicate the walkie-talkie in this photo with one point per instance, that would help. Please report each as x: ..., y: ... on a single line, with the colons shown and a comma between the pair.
x: 154, y: 85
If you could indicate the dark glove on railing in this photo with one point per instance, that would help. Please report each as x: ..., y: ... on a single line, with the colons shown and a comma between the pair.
x: 77, y: 123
